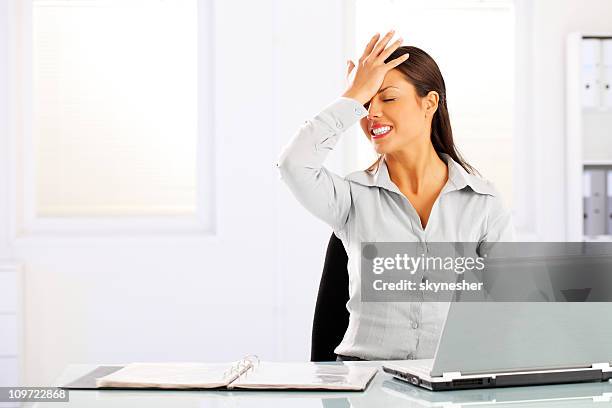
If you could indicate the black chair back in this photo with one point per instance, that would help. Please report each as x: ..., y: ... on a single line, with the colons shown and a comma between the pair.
x: 331, y: 317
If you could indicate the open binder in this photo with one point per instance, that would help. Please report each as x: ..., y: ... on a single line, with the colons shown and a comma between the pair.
x: 248, y: 373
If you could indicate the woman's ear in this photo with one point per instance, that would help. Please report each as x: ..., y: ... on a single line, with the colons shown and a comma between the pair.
x: 431, y: 101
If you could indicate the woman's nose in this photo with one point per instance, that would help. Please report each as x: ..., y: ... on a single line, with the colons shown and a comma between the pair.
x: 373, y: 114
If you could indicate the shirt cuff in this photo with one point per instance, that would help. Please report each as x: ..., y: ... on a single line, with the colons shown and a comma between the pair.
x: 358, y: 109
x: 343, y: 113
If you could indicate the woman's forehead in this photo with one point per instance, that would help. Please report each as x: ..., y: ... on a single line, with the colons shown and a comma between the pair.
x: 395, y: 79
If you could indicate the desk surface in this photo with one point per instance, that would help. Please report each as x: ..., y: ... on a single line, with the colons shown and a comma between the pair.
x: 383, y: 391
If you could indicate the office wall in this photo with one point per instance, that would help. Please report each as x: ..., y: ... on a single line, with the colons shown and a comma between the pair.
x: 251, y: 288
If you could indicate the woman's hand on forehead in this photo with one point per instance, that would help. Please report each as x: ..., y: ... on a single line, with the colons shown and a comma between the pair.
x: 366, y: 77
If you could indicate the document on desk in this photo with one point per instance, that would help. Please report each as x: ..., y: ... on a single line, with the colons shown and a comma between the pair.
x: 244, y: 374
x: 305, y: 376
x: 169, y: 375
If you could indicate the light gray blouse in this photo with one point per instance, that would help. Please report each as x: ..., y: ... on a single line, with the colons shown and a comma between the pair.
x: 365, y: 207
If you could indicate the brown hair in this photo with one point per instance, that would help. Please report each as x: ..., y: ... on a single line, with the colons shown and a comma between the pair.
x: 422, y: 71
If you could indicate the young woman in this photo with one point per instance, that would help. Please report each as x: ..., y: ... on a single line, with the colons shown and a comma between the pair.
x: 419, y: 190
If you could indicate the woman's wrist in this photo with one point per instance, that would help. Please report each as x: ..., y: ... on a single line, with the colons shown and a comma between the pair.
x: 356, y: 95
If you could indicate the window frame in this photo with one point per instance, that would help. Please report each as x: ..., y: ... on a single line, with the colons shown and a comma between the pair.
x: 22, y: 189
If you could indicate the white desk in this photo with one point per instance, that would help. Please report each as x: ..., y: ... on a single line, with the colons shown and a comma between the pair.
x: 383, y: 391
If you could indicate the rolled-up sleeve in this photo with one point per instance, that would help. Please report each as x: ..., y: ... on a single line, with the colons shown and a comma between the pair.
x: 323, y: 193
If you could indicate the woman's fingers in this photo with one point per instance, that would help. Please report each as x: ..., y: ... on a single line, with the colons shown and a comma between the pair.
x: 370, y: 46
x: 350, y: 65
x: 381, y: 44
x: 366, y: 77
x: 395, y: 62
x: 350, y: 71
x: 389, y: 50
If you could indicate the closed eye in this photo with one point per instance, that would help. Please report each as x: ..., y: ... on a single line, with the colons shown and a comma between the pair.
x: 367, y: 104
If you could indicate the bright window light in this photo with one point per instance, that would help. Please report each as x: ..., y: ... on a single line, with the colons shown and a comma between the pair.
x: 114, y: 107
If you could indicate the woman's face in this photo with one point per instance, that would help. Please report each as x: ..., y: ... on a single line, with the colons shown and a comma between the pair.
x: 397, y: 117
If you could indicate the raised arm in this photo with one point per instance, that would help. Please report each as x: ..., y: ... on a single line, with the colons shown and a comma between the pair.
x: 322, y: 192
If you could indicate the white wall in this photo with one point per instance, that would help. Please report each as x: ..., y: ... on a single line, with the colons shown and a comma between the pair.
x: 310, y: 74
x: 4, y: 50
x: 250, y: 289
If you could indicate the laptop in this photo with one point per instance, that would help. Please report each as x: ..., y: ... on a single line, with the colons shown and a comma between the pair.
x: 501, y: 344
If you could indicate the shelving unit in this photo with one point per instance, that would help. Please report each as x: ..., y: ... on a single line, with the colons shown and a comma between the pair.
x: 588, y: 127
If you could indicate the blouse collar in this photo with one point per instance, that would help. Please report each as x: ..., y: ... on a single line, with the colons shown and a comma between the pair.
x: 458, y: 178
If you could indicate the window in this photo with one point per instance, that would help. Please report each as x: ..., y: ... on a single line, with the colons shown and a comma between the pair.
x: 114, y: 107
x: 472, y: 41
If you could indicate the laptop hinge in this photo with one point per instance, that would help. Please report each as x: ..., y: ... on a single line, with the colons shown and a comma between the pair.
x: 451, y: 375
x: 606, y: 370
x: 602, y: 366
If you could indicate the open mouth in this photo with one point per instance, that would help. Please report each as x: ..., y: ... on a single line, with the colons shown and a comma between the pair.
x: 380, y: 131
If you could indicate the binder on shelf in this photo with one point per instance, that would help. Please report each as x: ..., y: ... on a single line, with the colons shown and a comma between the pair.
x: 591, y: 60
x: 606, y: 83
x: 594, y: 198
x: 586, y: 202
x: 606, y: 46
x: 609, y: 214
x: 591, y: 51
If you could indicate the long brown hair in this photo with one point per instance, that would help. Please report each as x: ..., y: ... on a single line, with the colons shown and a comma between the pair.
x: 422, y: 71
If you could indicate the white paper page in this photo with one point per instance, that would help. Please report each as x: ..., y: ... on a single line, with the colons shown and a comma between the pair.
x: 170, y: 375
x: 268, y: 375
